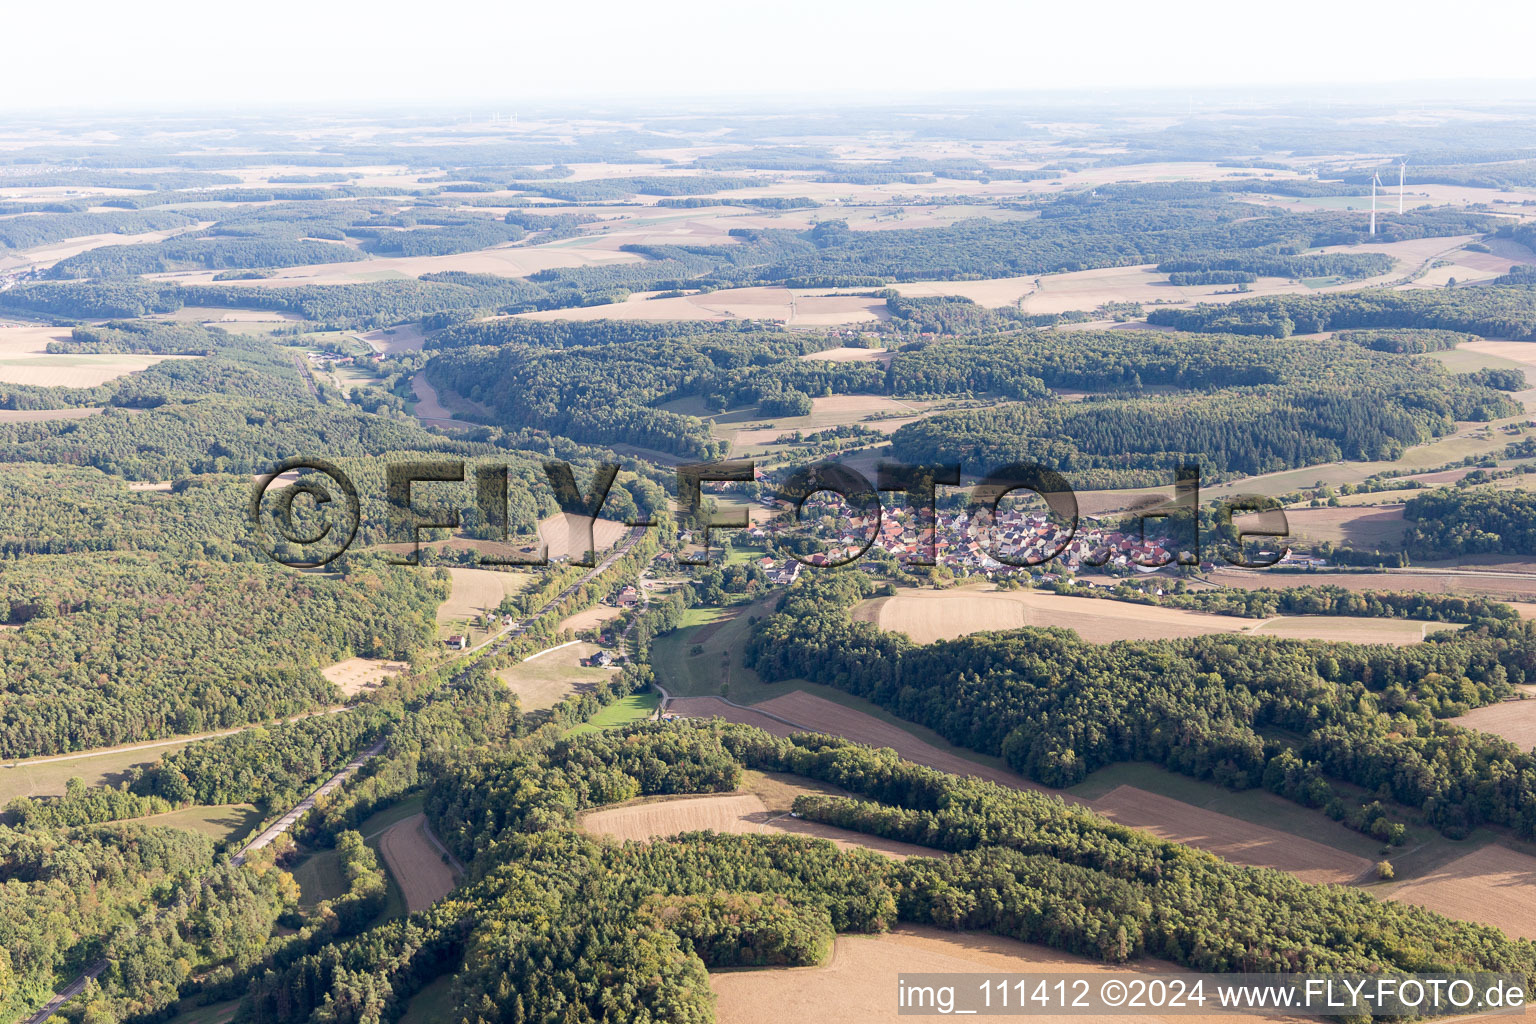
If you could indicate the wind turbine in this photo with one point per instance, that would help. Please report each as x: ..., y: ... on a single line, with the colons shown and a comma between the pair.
x: 1402, y: 169
x: 1375, y: 180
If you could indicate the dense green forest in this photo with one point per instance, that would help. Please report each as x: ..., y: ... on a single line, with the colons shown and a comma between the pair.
x: 1263, y: 603
x: 1244, y: 407
x: 1489, y: 312
x: 64, y: 890
x: 1454, y: 523
x: 23, y: 232
x: 113, y: 648
x: 1057, y: 708
x: 603, y: 382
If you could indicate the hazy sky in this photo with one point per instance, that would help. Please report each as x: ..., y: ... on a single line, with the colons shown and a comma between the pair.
x: 279, y: 52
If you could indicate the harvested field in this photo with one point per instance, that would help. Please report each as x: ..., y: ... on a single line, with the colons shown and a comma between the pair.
x: 997, y: 292
x: 1513, y: 351
x: 355, y: 675
x: 1368, y: 526
x: 591, y: 618
x: 478, y: 590
x: 1504, y: 588
x: 640, y: 821
x: 1349, y: 629
x: 25, y: 359
x: 858, y: 984
x: 742, y: 427
x: 547, y: 679
x: 714, y: 707
x: 850, y: 355
x: 41, y: 415
x: 1515, y: 720
x: 823, y: 715
x: 1089, y: 289
x: 930, y: 615
x: 808, y: 309
x: 1493, y: 885
x: 648, y: 819
x: 46, y: 776
x: 1230, y: 838
x: 566, y: 534
x: 76, y: 370
x: 246, y: 318
x: 429, y: 408
x: 391, y: 340
x: 416, y: 865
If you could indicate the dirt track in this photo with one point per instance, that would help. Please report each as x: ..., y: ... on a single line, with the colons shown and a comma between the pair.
x: 415, y: 863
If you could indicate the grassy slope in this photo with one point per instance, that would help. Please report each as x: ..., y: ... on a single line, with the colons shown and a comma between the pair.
x: 636, y: 707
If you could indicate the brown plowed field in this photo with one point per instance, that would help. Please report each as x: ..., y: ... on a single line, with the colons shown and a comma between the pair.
x: 1494, y: 885
x: 858, y: 984
x: 1514, y: 720
x: 714, y: 707
x: 1232, y: 839
x: 825, y: 716
x: 742, y: 813
x: 417, y: 867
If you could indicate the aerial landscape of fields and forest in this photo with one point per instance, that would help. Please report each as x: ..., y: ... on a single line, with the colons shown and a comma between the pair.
x: 543, y: 556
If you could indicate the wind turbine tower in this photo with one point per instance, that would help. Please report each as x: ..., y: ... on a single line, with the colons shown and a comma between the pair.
x: 1402, y: 169
x: 1375, y: 180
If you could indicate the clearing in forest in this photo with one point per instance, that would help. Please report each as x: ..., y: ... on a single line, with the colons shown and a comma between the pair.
x: 546, y: 680
x: 477, y: 591
x: 566, y: 534
x: 417, y: 866
x: 355, y: 675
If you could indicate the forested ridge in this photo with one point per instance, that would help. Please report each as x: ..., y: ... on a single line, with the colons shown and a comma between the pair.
x: 552, y: 919
x: 1057, y: 708
x: 63, y: 889
x: 602, y: 382
x: 1264, y: 410
x: 1489, y: 311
